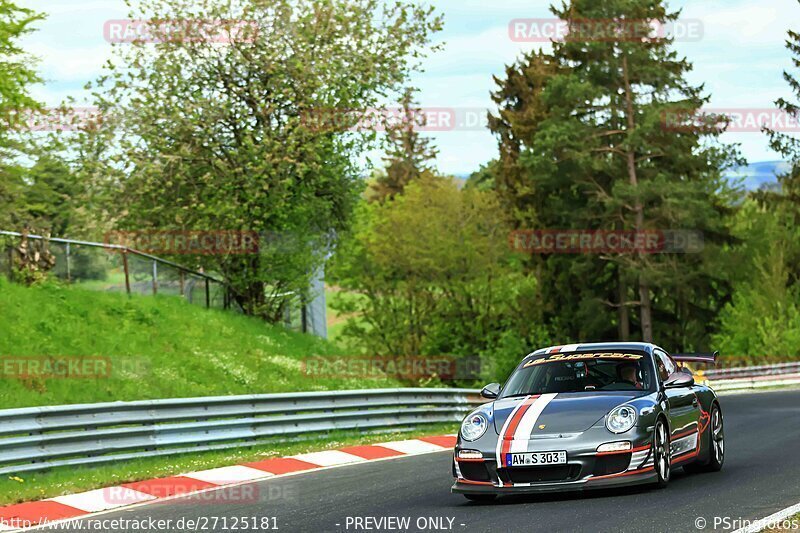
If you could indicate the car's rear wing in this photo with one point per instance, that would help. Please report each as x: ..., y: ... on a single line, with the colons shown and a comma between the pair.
x: 707, y: 358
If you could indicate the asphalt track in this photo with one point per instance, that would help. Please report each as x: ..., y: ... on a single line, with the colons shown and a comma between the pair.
x: 761, y: 476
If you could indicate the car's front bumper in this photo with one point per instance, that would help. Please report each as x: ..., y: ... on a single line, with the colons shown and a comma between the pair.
x: 585, y: 468
x: 635, y: 478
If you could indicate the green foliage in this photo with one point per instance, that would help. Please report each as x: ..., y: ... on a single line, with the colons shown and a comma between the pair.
x: 434, y: 275
x: 202, y: 136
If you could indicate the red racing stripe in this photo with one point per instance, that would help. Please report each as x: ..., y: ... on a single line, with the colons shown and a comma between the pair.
x: 444, y: 441
x: 508, y: 436
x: 282, y: 465
x: 35, y: 512
x: 371, y: 452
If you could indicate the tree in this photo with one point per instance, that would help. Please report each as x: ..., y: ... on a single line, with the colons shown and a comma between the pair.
x: 203, y: 135
x: 432, y: 275
x: 599, y: 155
x: 18, y: 75
x: 408, y: 155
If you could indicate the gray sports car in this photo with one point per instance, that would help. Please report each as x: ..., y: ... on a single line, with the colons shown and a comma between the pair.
x: 589, y: 416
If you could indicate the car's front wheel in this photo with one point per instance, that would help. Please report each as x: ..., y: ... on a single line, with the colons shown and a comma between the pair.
x: 481, y: 498
x: 661, y: 454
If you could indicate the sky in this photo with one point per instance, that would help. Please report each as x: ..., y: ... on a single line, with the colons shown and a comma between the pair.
x: 736, y: 47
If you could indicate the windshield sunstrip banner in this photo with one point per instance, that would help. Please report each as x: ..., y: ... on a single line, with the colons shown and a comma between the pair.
x: 582, y: 357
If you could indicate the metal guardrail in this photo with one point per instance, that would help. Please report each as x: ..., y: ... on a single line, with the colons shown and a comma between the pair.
x: 754, y: 377
x: 753, y: 371
x: 39, y: 438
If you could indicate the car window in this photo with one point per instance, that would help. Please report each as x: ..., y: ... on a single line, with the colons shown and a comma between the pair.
x: 581, y: 372
x: 665, y: 365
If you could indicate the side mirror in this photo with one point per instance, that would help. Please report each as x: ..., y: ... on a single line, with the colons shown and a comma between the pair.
x: 679, y: 379
x: 491, y: 391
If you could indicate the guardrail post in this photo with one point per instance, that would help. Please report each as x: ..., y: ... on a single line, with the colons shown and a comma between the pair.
x: 11, y: 262
x: 183, y: 283
x: 208, y: 294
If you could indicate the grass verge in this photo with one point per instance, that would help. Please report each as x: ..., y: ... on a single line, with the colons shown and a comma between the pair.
x: 154, y: 346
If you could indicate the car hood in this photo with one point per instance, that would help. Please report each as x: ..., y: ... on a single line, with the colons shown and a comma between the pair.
x: 570, y: 412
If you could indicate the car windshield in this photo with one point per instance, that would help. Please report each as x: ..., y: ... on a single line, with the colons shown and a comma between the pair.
x: 581, y: 372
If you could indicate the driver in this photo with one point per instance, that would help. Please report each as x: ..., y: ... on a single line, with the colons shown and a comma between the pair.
x: 629, y: 373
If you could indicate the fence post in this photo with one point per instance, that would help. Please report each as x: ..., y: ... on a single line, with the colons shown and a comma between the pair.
x: 183, y: 281
x: 11, y: 262
x: 69, y: 278
x: 208, y: 294
x: 303, y: 315
x: 155, y: 277
x: 127, y: 272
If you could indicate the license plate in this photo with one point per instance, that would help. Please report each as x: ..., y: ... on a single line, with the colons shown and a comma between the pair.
x: 536, y: 458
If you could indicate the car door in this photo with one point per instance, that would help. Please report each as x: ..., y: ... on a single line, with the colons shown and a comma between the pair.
x: 683, y: 407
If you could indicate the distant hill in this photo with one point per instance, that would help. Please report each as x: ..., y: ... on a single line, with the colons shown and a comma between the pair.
x: 755, y: 176
x: 760, y: 175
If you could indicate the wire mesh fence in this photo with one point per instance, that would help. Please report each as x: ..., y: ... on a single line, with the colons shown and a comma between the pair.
x: 111, y: 268
x: 116, y: 268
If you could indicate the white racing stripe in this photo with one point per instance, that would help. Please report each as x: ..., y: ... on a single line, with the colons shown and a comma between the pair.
x: 103, y: 499
x: 329, y: 458
x: 411, y: 447
x: 229, y: 474
x: 569, y: 348
x: 525, y: 427
x: 509, y: 418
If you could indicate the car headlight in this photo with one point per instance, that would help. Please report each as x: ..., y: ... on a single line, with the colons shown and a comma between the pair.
x: 473, y: 427
x: 621, y: 419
